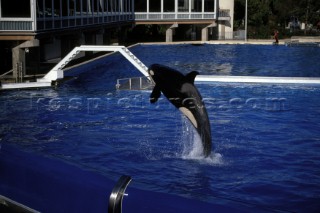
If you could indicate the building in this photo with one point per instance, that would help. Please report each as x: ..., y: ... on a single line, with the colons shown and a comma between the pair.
x: 214, y: 18
x: 40, y: 31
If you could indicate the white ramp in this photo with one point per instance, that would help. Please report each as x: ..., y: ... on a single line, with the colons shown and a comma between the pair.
x: 57, y: 72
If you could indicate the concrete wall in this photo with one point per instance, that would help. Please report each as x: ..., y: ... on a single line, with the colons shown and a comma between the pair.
x: 52, y: 50
x: 226, y: 26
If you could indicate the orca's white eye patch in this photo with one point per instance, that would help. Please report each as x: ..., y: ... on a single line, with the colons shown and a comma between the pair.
x: 151, y: 72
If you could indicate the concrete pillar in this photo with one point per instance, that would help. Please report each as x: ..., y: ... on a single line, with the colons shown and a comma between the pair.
x: 82, y: 39
x: 169, y: 35
x: 107, y: 37
x: 222, y: 31
x: 204, y: 31
x: 19, y: 58
x: 18, y: 63
x: 204, y: 34
x: 99, y: 39
x: 169, y: 32
x: 228, y: 24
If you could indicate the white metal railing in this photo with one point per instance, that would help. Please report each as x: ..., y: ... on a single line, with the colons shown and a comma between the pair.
x: 257, y: 79
x: 53, y: 22
x: 18, y: 24
x: 82, y: 19
x: 224, y: 13
x: 143, y: 16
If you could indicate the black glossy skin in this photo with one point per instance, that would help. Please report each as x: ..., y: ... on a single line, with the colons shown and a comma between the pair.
x: 181, y: 92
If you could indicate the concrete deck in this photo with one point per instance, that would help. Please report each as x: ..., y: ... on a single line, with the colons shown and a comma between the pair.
x: 315, y: 39
x: 250, y: 41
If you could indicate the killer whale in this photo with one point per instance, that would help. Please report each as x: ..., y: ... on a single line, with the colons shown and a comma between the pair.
x: 180, y: 90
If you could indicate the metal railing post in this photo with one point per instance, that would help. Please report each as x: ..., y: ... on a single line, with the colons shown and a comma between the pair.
x: 116, y: 196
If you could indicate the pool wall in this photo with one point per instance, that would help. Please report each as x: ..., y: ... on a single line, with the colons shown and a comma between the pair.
x: 51, y: 185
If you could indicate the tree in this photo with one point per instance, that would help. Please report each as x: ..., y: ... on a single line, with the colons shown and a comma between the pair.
x: 266, y: 15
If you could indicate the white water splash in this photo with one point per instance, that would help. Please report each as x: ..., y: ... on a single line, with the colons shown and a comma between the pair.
x: 193, y: 148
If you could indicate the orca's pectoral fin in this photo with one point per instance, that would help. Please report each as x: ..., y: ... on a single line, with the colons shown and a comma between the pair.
x: 191, y: 76
x: 156, y: 93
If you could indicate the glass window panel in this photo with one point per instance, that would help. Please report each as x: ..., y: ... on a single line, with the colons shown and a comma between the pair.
x: 72, y: 8
x: 183, y: 5
x: 168, y: 5
x: 65, y: 5
x: 56, y: 8
x: 155, y: 6
x: 101, y: 5
x: 48, y: 8
x: 40, y: 8
x: 196, y: 5
x: 16, y: 8
x: 140, y: 5
x: 85, y: 7
x: 78, y: 6
x: 209, y: 5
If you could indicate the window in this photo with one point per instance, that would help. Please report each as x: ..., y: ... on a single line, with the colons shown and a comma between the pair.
x: 196, y: 5
x: 56, y: 8
x: 209, y: 5
x: 16, y: 8
x: 40, y: 8
x: 86, y: 7
x: 64, y: 7
x: 168, y: 6
x: 183, y: 5
x: 155, y: 6
x: 140, y: 5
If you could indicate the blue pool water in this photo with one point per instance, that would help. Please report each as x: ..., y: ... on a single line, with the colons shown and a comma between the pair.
x: 266, y: 137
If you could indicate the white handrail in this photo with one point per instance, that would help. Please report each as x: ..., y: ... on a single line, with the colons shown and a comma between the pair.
x: 257, y: 79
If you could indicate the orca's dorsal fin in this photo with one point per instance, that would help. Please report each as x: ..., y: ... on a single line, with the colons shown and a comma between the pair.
x: 191, y: 76
x: 156, y: 93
